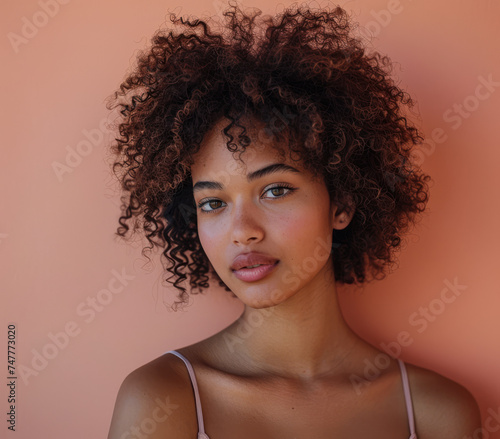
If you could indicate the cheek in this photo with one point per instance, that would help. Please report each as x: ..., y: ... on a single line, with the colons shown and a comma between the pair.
x: 209, y: 237
x: 301, y: 233
x: 294, y: 226
x: 304, y: 225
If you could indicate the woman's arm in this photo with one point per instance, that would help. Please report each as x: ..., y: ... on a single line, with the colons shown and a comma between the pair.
x: 155, y: 401
x: 443, y: 408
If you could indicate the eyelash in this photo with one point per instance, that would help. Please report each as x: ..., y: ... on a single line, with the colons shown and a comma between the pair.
x: 277, y: 186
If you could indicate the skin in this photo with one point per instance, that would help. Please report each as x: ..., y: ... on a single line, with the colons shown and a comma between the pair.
x: 285, y: 367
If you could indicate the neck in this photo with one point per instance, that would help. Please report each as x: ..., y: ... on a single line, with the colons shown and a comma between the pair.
x: 303, y: 337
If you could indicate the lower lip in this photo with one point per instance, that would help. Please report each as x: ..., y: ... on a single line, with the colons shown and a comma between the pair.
x: 254, y: 274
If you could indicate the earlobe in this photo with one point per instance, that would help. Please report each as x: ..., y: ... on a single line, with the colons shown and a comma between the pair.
x: 341, y: 221
x: 342, y: 217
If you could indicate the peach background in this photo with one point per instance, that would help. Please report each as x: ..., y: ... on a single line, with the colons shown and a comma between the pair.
x: 57, y: 247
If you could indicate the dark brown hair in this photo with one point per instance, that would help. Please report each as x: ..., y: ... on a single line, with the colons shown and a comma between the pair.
x: 312, y: 84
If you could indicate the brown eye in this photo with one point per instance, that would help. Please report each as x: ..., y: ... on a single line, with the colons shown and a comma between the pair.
x: 213, y: 201
x: 275, y: 190
x: 209, y: 202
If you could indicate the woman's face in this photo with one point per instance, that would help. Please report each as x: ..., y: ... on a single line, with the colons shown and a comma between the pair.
x: 285, y: 214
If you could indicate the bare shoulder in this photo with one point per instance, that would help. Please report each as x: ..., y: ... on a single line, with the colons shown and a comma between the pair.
x: 155, y: 400
x: 442, y: 407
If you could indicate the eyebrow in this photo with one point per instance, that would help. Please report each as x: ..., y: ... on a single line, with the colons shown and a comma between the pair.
x: 259, y: 173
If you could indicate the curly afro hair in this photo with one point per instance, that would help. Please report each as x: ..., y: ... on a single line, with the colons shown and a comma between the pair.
x: 311, y: 84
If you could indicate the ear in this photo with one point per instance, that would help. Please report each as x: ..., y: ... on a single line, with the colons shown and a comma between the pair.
x: 342, y: 213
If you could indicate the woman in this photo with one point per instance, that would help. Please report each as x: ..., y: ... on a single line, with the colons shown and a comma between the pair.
x: 277, y: 160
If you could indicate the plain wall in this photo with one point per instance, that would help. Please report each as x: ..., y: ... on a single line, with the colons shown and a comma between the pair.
x: 59, y: 209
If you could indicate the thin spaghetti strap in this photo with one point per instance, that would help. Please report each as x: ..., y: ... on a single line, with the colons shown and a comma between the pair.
x: 409, y: 405
x: 199, y: 414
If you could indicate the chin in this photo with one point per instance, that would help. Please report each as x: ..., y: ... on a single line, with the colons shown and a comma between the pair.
x: 254, y: 297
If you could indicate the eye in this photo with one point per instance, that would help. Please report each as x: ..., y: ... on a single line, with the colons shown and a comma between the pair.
x: 276, y: 188
x: 202, y: 203
x: 289, y: 189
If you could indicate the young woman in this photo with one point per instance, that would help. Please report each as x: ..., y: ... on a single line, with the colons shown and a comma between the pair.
x: 277, y: 160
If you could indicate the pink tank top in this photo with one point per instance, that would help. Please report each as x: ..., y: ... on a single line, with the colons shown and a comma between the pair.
x: 199, y: 414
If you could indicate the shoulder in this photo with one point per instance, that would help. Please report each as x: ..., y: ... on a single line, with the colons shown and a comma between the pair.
x: 155, y: 400
x: 442, y: 407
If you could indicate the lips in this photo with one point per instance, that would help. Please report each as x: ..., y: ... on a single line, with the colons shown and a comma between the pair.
x: 252, y: 258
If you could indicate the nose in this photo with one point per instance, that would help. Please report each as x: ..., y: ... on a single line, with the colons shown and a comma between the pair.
x: 246, y: 223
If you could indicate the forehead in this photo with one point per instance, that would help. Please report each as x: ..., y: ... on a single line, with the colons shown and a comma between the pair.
x: 213, y: 154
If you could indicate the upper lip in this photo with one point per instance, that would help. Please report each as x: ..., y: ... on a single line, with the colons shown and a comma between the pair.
x: 251, y: 258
